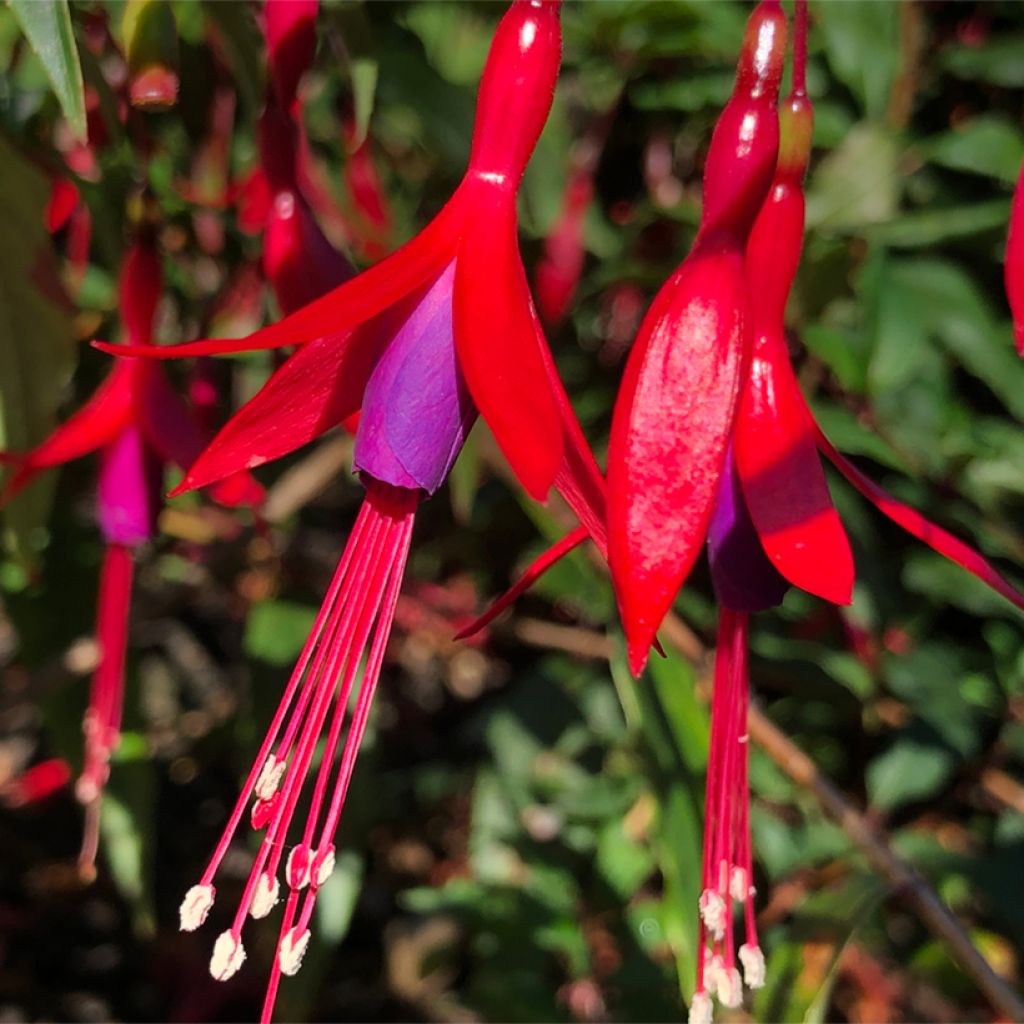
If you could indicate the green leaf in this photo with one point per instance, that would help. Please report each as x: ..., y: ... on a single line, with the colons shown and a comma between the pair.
x: 996, y: 61
x: 36, y: 338
x: 987, y: 145
x: 47, y: 25
x: 244, y: 47
x: 862, y: 47
x: 276, y: 631
x: 907, y: 771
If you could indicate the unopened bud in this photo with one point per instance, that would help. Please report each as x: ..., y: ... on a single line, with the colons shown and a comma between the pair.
x: 195, y: 906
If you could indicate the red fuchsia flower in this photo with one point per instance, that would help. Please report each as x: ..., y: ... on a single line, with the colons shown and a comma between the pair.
x: 1013, y: 267
x: 756, y: 489
x: 419, y: 344
x: 137, y: 423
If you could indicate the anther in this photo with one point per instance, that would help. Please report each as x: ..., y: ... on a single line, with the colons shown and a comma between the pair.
x: 195, y: 906
x: 713, y: 912
x: 700, y: 1009
x: 292, y: 950
x: 753, y: 965
x: 297, y: 869
x: 323, y: 865
x: 228, y: 956
x: 265, y: 897
x: 270, y: 777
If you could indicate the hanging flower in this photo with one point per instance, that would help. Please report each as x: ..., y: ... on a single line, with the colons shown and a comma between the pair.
x: 418, y: 345
x: 137, y: 423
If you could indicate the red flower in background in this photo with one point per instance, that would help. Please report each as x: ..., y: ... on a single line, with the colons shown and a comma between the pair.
x: 137, y: 423
x: 1014, y: 264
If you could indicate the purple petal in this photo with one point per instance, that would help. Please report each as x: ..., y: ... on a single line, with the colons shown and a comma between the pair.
x: 416, y: 408
x: 128, y: 494
x: 744, y: 579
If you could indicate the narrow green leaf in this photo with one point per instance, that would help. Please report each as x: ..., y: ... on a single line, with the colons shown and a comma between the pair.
x: 47, y: 26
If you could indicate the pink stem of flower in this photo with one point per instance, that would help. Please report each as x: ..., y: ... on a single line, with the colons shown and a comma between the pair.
x: 102, y: 724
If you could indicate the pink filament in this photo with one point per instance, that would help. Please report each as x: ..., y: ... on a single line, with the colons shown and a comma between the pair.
x: 355, y: 620
x: 727, y: 845
x: 102, y: 723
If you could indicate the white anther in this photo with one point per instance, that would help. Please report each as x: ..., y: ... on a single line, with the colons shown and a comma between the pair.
x: 753, y: 965
x: 323, y: 866
x: 228, y: 956
x: 713, y: 912
x: 297, y: 867
x: 292, y: 950
x: 270, y: 778
x: 700, y: 1009
x: 730, y: 988
x: 195, y: 906
x: 714, y: 968
x: 265, y: 898
x: 739, y: 887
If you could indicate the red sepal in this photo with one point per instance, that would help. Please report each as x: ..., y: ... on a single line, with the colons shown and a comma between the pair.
x: 317, y: 388
x: 499, y: 351
x: 670, y: 431
x: 783, y: 481
x: 97, y: 423
x: 531, y: 574
x: 917, y: 525
x: 350, y: 304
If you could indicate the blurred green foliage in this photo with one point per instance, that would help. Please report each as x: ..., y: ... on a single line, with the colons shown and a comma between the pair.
x: 523, y: 837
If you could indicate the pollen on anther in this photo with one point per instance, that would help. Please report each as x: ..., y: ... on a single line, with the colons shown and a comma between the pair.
x: 713, y: 912
x: 292, y: 950
x: 739, y: 887
x: 297, y: 868
x: 266, y: 895
x: 323, y: 866
x: 753, y: 965
x: 700, y: 1009
x: 228, y: 956
x: 270, y: 777
x: 195, y: 906
x: 730, y: 988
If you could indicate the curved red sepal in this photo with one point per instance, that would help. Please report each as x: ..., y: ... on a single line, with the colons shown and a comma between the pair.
x: 783, y: 481
x: 173, y: 432
x: 318, y: 387
x: 421, y: 258
x: 530, y: 575
x: 497, y: 343
x: 917, y: 525
x: 97, y: 423
x: 670, y: 430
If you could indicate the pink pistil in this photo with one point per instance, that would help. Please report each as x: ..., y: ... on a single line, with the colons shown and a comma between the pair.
x: 728, y: 868
x: 102, y: 723
x: 355, y: 620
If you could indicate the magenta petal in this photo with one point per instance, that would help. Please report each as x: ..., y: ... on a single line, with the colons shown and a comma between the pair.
x: 744, y: 578
x: 167, y: 423
x: 416, y: 408
x: 128, y: 494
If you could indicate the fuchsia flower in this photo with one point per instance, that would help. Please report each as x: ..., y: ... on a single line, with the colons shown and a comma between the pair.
x: 419, y: 344
x: 737, y: 461
x: 137, y: 423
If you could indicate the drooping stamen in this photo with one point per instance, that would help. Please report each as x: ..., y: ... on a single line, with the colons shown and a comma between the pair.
x: 728, y: 868
x: 354, y: 621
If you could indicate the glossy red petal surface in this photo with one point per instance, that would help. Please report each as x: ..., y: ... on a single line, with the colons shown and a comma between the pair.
x: 346, y: 306
x: 917, y: 525
x: 97, y: 423
x: 531, y: 574
x: 499, y: 346
x: 670, y: 431
x: 317, y: 388
x: 783, y: 480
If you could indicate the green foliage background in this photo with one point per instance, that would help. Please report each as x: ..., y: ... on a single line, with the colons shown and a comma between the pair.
x: 523, y: 838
